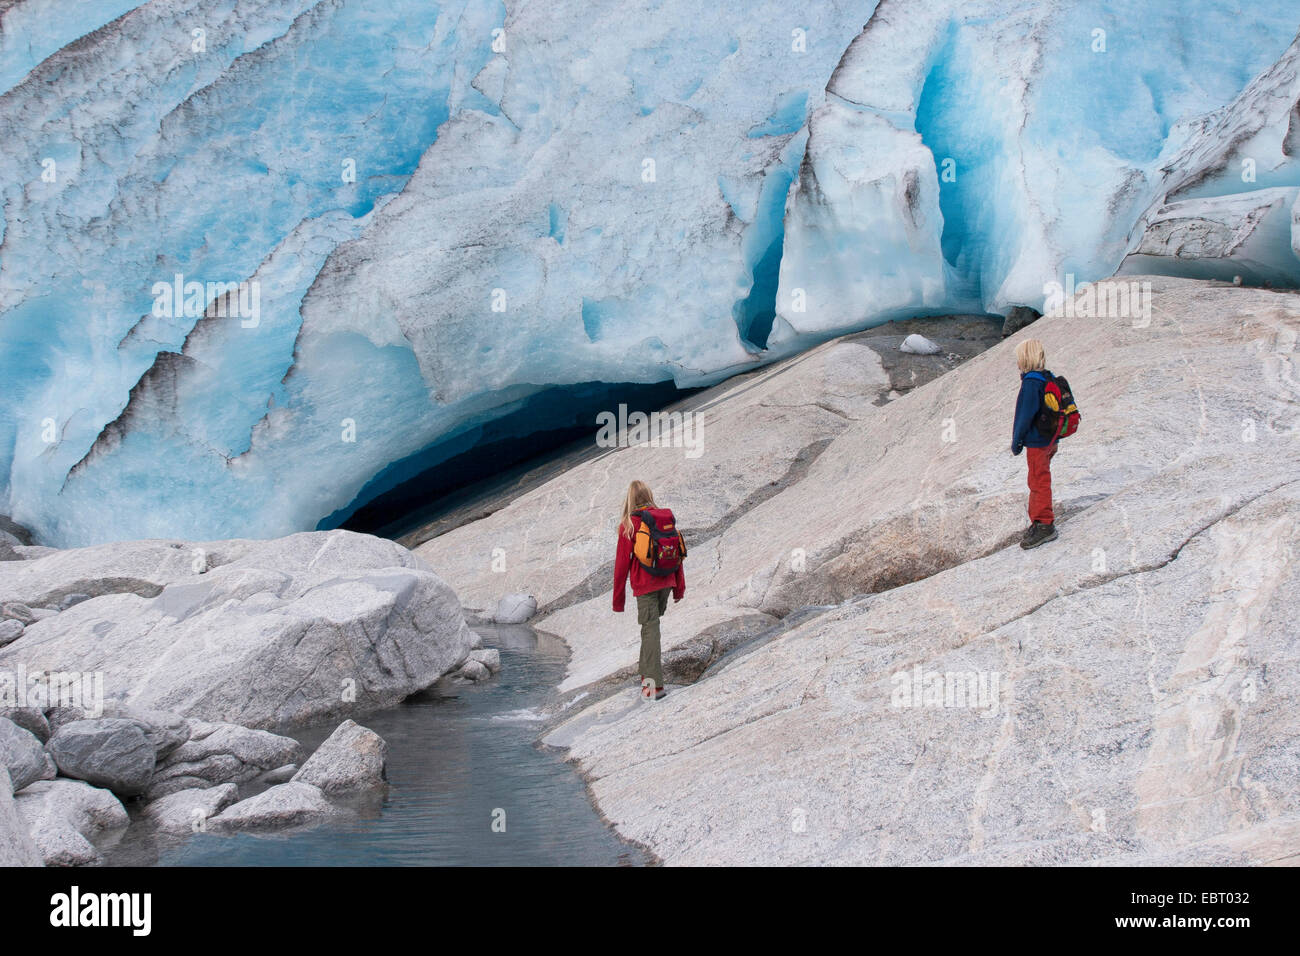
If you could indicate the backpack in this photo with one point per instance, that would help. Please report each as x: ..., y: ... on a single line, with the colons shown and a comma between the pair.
x: 658, y: 545
x: 1058, y: 416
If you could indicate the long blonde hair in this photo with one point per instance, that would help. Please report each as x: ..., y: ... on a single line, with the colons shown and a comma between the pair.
x: 638, y: 497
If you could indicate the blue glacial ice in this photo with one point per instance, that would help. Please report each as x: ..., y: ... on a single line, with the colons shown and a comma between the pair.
x: 450, y: 211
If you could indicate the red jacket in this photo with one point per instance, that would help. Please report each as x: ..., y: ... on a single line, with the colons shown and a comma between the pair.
x: 643, y: 582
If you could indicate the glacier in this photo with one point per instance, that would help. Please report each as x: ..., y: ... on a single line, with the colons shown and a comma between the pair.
x: 459, y: 217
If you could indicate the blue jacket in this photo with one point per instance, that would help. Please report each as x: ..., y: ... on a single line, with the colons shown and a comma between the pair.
x: 1030, y: 400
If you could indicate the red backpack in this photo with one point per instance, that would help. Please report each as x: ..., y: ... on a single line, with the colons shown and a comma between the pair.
x: 657, y: 544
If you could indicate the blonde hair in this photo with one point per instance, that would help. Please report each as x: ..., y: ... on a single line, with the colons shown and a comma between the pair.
x: 638, y: 497
x: 1030, y: 356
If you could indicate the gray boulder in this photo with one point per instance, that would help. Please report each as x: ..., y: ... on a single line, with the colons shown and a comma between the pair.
x: 278, y: 775
x: 473, y: 670
x: 1018, y: 317
x: 29, y: 719
x: 489, y: 657
x: 351, y: 759
x: 10, y: 631
x: 110, y: 752
x: 70, y: 599
x: 515, y: 609
x: 56, y: 717
x: 187, y: 811
x: 290, y: 631
x: 22, y: 755
x: 16, y: 611
x: 221, y: 753
x: 64, y: 816
x: 16, y: 845
x: 292, y: 804
x: 165, y: 730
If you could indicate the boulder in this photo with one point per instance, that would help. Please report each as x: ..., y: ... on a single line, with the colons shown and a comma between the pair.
x: 16, y: 845
x: 351, y: 759
x: 57, y: 716
x: 187, y: 811
x: 10, y: 631
x: 29, y: 719
x: 489, y: 657
x: 22, y: 755
x: 109, y: 752
x: 515, y: 609
x: 16, y: 611
x: 278, y: 775
x: 165, y: 730
x: 917, y: 344
x: 1018, y: 317
x: 64, y: 816
x: 288, y: 632
x: 473, y: 670
x: 292, y: 804
x: 221, y: 753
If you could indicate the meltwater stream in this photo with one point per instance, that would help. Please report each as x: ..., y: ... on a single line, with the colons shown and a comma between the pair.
x: 458, y: 757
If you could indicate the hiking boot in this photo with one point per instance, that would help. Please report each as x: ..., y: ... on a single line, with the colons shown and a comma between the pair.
x: 1038, y: 533
x: 653, y: 693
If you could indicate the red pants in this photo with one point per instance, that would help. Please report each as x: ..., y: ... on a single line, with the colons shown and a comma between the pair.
x: 1040, y: 483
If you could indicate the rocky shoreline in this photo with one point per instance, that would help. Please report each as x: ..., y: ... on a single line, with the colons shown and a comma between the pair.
x: 157, y: 671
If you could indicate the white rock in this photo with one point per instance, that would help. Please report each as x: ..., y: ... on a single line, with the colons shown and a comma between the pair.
x: 64, y: 816
x: 16, y: 846
x: 190, y: 810
x: 489, y: 657
x: 473, y: 670
x: 272, y: 637
x: 10, y: 631
x: 515, y: 609
x: 292, y: 804
x: 22, y: 755
x: 351, y: 759
x: 918, y: 344
x: 221, y: 753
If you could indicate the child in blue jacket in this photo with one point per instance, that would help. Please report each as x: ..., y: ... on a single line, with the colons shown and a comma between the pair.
x: 1032, y: 360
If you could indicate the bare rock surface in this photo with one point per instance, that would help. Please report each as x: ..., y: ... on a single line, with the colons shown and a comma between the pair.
x: 1121, y: 695
x: 761, y: 433
x: 63, y: 817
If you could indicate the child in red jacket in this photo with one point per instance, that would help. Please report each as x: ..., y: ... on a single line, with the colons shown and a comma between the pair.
x: 650, y: 591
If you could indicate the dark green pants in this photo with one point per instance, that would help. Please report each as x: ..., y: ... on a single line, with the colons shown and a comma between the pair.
x: 649, y: 608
